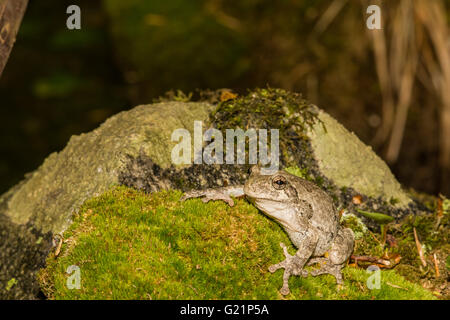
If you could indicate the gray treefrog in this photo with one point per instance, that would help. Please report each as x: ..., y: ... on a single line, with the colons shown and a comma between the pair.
x: 306, y: 213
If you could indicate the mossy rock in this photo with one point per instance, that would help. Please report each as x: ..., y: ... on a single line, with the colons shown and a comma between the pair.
x: 42, y: 205
x: 131, y: 245
x: 349, y: 163
x: 133, y: 148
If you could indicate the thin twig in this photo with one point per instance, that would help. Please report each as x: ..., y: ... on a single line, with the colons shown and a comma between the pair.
x: 58, y: 247
x: 436, y: 266
x: 395, y: 286
x: 383, y: 262
x: 375, y: 238
x: 439, y: 214
x: 419, y: 249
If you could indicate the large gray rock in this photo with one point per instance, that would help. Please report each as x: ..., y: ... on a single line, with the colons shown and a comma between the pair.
x: 349, y: 163
x: 42, y: 204
x: 134, y: 148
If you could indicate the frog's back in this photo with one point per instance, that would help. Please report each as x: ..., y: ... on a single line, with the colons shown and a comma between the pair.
x: 325, y: 216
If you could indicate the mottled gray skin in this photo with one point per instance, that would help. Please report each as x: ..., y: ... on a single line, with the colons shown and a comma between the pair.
x: 306, y: 213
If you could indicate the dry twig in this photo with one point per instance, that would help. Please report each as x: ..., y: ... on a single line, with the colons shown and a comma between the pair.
x: 58, y: 246
x: 436, y: 265
x: 419, y: 249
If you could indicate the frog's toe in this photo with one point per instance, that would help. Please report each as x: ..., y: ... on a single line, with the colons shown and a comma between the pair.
x: 285, y: 251
x: 192, y: 194
x: 285, y: 290
x: 218, y: 196
x: 339, y: 278
x: 277, y: 266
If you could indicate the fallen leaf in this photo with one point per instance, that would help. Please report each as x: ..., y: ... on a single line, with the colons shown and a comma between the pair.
x: 227, y: 95
x: 419, y: 249
x: 357, y: 199
x: 396, y: 258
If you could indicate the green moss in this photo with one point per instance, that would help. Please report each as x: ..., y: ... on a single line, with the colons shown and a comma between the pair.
x: 277, y: 108
x: 131, y: 245
x: 434, y: 239
x: 353, y: 222
x: 446, y: 206
x: 11, y: 283
x: 271, y: 108
x: 296, y: 171
x: 172, y: 95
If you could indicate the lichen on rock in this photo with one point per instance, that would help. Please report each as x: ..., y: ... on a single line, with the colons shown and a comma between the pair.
x: 349, y: 163
x: 91, y: 162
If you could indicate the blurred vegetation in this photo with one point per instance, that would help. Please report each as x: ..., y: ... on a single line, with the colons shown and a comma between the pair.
x: 60, y: 82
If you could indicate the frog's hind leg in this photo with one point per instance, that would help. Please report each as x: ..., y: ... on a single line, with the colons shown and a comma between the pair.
x: 321, y: 261
x: 318, y: 260
x: 340, y: 251
x: 326, y: 267
x: 342, y: 247
x: 329, y: 268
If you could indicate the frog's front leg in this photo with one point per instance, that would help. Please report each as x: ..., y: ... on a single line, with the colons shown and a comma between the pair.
x: 293, y: 264
x: 223, y: 193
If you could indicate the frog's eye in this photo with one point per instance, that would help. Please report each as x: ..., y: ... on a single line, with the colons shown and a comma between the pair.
x: 279, y: 182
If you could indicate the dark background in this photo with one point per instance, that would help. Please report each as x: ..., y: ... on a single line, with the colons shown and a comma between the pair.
x: 60, y: 82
